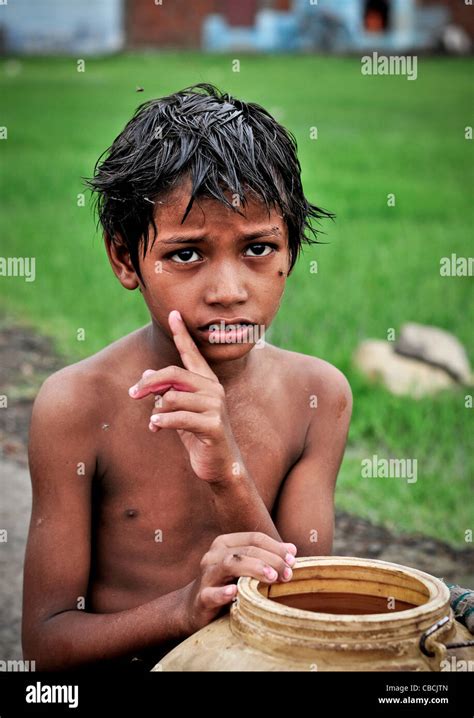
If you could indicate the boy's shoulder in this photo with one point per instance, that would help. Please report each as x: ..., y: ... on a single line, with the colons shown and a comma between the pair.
x: 79, y: 388
x: 314, y: 375
x: 83, y: 386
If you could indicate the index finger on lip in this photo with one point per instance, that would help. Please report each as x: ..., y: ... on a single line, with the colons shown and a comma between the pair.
x: 190, y: 354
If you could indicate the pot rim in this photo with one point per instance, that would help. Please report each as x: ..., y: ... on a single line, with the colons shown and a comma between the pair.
x: 250, y: 603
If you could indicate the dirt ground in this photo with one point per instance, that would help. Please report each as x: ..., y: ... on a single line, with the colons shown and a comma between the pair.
x: 26, y: 359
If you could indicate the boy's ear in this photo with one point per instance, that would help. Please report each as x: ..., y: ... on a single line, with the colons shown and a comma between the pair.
x: 119, y: 258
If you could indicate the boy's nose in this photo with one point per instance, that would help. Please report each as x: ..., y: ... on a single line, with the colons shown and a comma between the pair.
x: 225, y: 286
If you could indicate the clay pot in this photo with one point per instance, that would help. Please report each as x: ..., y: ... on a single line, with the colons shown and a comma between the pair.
x: 337, y: 613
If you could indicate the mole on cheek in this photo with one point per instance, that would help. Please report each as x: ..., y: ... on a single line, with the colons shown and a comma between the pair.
x: 280, y: 273
x: 130, y: 513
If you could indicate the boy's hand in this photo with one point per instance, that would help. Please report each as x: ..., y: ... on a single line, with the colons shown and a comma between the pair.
x: 230, y: 556
x: 193, y: 402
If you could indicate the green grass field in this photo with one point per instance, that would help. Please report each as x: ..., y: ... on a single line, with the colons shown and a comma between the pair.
x: 380, y: 268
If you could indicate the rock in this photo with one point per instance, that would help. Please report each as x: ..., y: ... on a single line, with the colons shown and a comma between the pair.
x: 436, y: 347
x: 400, y: 374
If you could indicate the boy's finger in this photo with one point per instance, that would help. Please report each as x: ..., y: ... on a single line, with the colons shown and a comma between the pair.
x: 276, y: 561
x: 190, y: 354
x: 154, y: 386
x: 171, y: 377
x: 256, y: 538
x: 238, y: 564
x: 212, y: 596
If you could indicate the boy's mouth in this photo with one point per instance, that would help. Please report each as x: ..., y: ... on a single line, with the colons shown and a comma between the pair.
x: 223, y: 325
x: 227, y: 331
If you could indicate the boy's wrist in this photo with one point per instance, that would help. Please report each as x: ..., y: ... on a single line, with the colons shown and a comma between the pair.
x: 230, y: 481
x: 182, y: 618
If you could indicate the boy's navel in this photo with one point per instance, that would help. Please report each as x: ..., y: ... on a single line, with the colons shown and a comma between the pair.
x: 131, y: 513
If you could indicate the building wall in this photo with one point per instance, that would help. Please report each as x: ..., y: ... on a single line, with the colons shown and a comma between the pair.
x: 57, y: 26
x: 461, y: 14
x: 172, y: 24
x: 179, y: 23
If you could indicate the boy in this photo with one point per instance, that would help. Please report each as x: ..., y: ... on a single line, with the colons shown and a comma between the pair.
x: 187, y: 453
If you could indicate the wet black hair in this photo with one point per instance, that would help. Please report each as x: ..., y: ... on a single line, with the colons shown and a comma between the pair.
x: 221, y: 143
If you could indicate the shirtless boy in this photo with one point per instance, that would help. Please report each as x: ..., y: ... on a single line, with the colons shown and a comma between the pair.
x: 180, y: 458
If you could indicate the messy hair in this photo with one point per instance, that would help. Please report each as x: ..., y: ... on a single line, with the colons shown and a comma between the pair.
x: 221, y: 143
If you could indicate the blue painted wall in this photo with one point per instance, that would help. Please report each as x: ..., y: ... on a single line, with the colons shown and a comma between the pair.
x: 48, y: 26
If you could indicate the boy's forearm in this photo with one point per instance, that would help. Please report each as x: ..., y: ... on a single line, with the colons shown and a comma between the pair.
x: 75, y: 638
x: 241, y: 508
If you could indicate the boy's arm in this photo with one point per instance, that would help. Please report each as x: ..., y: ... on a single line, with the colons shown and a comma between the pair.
x: 304, y: 512
x: 240, y: 507
x: 56, y: 633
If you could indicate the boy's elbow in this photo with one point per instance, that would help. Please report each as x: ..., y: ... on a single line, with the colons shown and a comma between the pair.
x: 50, y: 651
x: 34, y: 650
x: 37, y: 651
x: 342, y: 395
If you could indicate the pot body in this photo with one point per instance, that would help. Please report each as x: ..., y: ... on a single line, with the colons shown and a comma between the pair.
x: 336, y: 614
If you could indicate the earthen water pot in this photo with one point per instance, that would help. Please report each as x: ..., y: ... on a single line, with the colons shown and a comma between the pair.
x: 336, y: 614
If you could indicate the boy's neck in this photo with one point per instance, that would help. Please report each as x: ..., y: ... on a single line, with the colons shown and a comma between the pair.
x: 161, y: 352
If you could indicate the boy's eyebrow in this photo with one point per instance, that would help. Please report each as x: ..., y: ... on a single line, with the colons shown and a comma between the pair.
x: 179, y: 239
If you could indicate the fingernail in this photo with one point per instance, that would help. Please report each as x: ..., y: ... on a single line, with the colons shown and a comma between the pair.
x: 270, y: 573
x: 292, y: 548
x: 287, y: 573
x: 177, y: 315
x: 290, y: 559
x: 156, y: 418
x: 133, y: 390
x: 229, y: 590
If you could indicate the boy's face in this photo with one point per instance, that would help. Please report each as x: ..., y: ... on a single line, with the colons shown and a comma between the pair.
x: 223, y: 273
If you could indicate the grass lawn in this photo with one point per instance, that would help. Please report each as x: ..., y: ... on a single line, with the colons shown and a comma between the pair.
x: 376, y: 136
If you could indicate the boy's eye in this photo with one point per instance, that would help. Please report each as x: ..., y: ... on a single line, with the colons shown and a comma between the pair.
x: 261, y: 246
x: 183, y: 256
x: 185, y: 259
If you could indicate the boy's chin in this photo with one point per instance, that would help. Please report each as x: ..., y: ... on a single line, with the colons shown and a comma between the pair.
x: 224, y: 351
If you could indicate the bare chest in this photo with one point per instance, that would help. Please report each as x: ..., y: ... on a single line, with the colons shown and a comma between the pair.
x: 153, y: 518
x: 146, y: 479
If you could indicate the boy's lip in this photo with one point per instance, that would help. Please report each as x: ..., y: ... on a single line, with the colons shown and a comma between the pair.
x: 234, y: 320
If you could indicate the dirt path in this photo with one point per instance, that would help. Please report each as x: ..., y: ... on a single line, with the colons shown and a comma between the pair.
x: 25, y: 360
